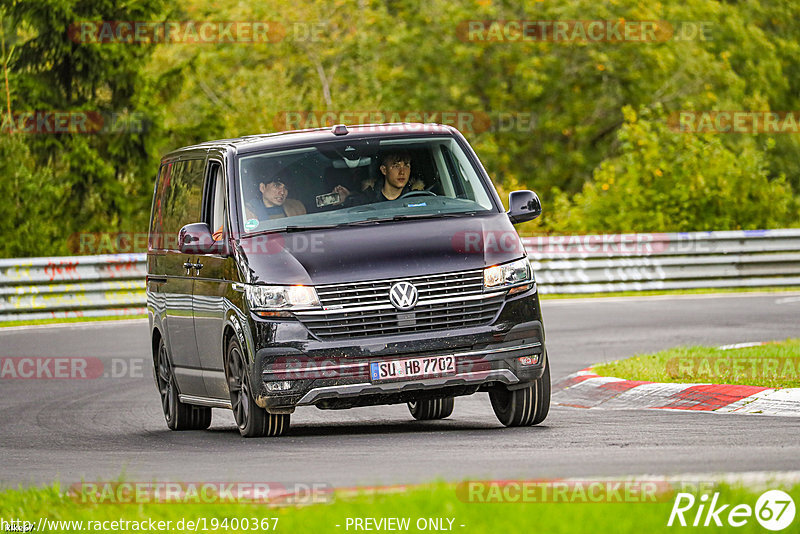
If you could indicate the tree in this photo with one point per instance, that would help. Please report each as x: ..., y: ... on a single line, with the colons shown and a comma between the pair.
x: 107, y: 173
x: 676, y: 182
x: 31, y: 213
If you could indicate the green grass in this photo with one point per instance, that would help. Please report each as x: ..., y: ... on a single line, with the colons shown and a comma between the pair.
x: 776, y: 365
x: 67, y: 320
x: 437, y: 500
x: 709, y: 291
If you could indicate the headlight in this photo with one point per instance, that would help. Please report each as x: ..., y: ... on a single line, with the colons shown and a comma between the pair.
x: 507, y: 275
x: 281, y: 297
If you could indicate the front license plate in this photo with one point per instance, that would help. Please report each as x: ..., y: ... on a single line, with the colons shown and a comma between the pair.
x: 413, y: 367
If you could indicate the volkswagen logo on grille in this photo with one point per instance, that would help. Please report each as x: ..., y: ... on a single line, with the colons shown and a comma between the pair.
x: 403, y: 296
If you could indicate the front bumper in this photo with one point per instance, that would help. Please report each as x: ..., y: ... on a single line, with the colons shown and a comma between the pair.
x: 333, y: 375
x: 472, y: 373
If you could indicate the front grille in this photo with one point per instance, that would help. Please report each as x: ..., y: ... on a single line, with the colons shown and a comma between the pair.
x: 358, y: 294
x: 446, y: 301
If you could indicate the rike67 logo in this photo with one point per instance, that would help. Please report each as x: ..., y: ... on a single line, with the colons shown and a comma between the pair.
x: 774, y: 510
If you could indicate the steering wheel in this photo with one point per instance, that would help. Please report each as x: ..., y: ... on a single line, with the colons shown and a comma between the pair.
x: 421, y: 193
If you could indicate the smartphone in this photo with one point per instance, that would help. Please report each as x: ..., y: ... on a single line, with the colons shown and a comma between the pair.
x: 328, y: 199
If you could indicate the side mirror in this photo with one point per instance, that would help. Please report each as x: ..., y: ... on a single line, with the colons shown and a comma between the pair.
x: 523, y: 206
x: 196, y: 238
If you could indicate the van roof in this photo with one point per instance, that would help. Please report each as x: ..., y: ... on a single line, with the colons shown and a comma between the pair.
x: 257, y: 142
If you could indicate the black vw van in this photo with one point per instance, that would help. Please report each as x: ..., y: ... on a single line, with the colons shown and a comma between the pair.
x: 340, y: 267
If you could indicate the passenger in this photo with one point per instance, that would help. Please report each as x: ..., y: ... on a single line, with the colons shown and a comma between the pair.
x: 274, y: 202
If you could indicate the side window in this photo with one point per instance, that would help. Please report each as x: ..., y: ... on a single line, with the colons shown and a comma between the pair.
x: 443, y: 172
x: 466, y: 182
x: 214, y: 203
x: 183, y: 199
x: 156, y: 241
x: 455, y: 179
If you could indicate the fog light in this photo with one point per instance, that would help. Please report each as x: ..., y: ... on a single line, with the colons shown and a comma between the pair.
x: 279, y: 386
x: 528, y: 360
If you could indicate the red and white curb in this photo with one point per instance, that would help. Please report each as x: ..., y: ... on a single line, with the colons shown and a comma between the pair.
x: 585, y: 389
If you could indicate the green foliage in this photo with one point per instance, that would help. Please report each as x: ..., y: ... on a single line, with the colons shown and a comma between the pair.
x: 676, y: 182
x: 568, y: 136
x: 81, y: 182
x: 31, y: 204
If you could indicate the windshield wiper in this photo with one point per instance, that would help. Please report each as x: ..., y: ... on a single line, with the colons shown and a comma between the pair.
x: 403, y: 217
x: 429, y: 215
x: 294, y: 228
x: 365, y: 222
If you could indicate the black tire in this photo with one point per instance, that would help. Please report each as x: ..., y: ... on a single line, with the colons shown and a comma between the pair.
x: 179, y: 415
x: 523, y: 407
x: 425, y: 410
x: 252, y: 420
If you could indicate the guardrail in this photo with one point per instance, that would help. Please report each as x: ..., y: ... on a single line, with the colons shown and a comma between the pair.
x: 74, y: 286
x: 86, y: 286
x: 640, y: 262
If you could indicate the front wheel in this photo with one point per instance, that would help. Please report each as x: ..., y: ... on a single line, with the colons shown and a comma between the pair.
x: 179, y: 415
x: 252, y: 420
x: 523, y: 407
x: 431, y: 409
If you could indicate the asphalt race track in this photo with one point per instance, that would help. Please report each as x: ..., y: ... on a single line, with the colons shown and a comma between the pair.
x: 104, y: 428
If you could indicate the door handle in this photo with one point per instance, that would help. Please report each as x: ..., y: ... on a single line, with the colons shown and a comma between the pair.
x: 189, y: 266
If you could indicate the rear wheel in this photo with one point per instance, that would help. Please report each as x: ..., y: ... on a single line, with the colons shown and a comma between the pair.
x: 252, y: 420
x: 432, y: 409
x: 523, y: 407
x: 179, y: 415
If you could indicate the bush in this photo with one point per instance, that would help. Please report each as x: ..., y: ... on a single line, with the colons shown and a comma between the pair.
x: 30, y: 204
x: 665, y: 181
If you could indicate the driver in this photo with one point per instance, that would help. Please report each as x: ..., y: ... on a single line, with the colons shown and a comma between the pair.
x: 396, y: 170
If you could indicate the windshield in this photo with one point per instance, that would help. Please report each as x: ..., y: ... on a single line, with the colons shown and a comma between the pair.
x: 357, y: 181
